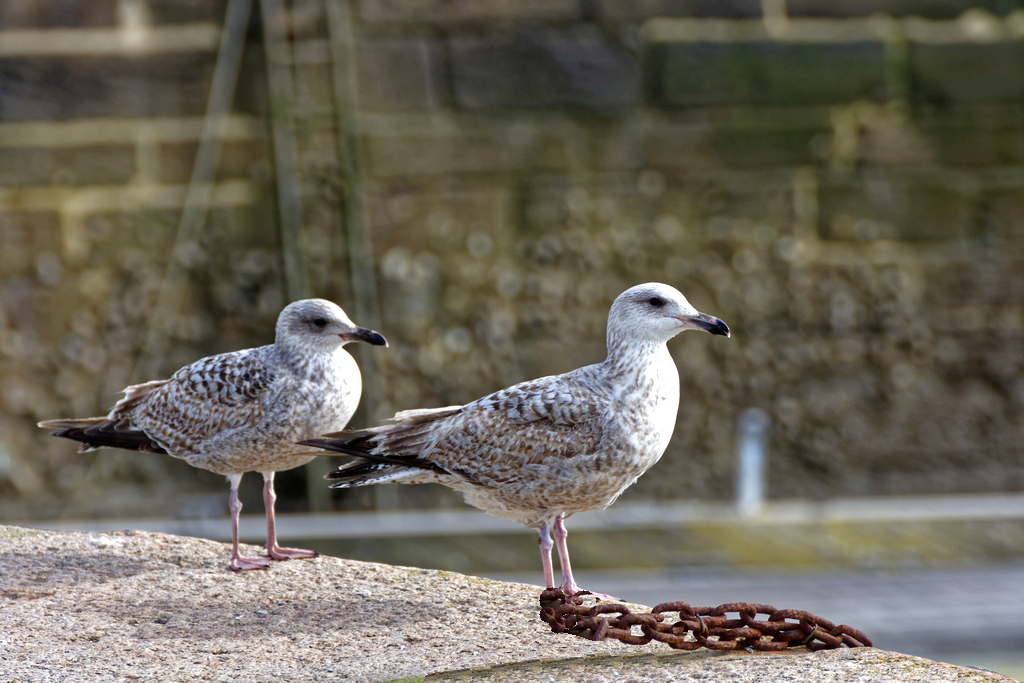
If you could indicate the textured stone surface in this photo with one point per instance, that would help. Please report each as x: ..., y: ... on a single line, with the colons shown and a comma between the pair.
x: 932, y: 9
x: 238, y: 159
x: 461, y: 152
x: 24, y: 238
x: 642, y: 9
x: 639, y: 142
x: 914, y: 207
x: 149, y: 605
x: 75, y: 87
x: 945, y: 74
x: 31, y: 14
x: 398, y: 75
x: 750, y: 148
x: 700, y: 74
x: 447, y: 11
x: 835, y: 666
x: 544, y: 69
x: 98, y: 165
x: 976, y: 147
x: 181, y: 11
x: 144, y: 606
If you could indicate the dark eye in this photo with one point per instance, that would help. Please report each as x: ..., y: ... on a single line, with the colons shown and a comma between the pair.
x: 656, y: 301
x: 320, y: 322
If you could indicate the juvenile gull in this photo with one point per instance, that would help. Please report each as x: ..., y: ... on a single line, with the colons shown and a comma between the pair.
x: 542, y: 450
x: 243, y: 411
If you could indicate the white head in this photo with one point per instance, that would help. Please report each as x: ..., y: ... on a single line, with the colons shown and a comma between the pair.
x: 656, y: 312
x: 321, y: 323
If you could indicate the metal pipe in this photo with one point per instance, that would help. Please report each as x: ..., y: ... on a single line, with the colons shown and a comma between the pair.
x: 342, y: 41
x: 200, y: 188
x: 280, y: 85
x: 751, y: 461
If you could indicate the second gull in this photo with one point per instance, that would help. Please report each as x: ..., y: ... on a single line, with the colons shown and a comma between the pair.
x: 540, y: 451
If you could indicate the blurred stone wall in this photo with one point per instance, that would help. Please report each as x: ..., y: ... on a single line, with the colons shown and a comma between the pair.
x: 842, y: 182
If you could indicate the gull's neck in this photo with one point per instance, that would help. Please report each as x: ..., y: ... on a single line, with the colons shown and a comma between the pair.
x: 632, y: 357
x: 310, y: 361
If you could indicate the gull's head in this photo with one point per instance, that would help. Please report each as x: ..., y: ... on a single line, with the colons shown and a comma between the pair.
x: 319, y: 322
x: 657, y: 312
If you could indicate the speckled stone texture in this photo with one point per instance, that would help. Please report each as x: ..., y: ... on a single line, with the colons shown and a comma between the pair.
x: 138, y: 606
x: 832, y: 666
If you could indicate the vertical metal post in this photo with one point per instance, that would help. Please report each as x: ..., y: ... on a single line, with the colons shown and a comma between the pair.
x: 357, y: 232
x: 752, y: 461
x: 200, y: 188
x: 286, y: 158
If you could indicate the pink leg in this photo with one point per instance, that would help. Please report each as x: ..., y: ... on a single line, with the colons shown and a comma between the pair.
x: 239, y: 563
x: 569, y: 586
x: 275, y: 551
x: 545, y: 556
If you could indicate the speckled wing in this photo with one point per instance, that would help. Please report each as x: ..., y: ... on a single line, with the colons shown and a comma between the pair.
x: 489, y: 440
x: 212, y: 395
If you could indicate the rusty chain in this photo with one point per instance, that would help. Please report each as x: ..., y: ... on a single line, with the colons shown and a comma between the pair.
x: 709, y: 626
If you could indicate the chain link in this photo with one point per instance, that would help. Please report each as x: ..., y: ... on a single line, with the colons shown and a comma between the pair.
x: 709, y: 626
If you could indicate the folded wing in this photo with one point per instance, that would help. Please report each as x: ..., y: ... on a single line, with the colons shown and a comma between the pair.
x: 486, y: 442
x: 175, y: 415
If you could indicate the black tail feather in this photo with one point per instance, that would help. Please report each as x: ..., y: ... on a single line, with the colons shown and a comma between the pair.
x: 350, y: 447
x: 107, y: 435
x: 356, y: 474
x: 344, y: 446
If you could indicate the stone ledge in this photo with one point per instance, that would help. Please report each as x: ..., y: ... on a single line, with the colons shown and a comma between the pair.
x: 147, y: 606
x: 836, y: 666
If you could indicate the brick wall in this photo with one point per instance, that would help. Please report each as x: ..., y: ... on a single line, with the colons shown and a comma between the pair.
x: 842, y: 182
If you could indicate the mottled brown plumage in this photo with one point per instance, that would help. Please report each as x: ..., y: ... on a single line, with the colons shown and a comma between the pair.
x: 243, y: 411
x: 543, y: 450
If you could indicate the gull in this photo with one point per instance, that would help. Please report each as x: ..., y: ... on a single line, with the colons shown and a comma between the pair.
x: 540, y: 451
x: 243, y: 411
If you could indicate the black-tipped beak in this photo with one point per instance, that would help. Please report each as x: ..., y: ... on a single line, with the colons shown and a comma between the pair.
x: 364, y: 335
x: 710, y: 324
